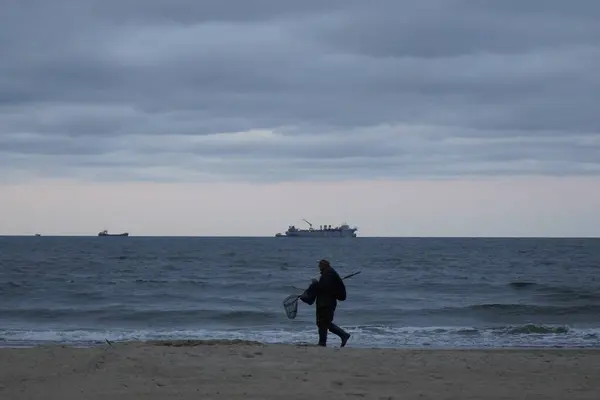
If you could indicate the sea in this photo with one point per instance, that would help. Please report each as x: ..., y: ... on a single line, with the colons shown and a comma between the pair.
x: 410, y: 293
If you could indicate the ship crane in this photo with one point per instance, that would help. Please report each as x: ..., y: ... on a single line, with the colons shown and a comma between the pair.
x: 309, y: 224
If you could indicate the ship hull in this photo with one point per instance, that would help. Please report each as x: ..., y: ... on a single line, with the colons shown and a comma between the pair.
x: 113, y: 234
x: 325, y: 231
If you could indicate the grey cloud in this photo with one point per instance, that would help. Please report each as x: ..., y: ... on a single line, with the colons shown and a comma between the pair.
x: 353, y: 88
x: 274, y: 158
x: 440, y: 28
x: 192, y: 11
x: 50, y: 145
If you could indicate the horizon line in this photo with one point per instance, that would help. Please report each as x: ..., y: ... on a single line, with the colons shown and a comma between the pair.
x: 301, y: 238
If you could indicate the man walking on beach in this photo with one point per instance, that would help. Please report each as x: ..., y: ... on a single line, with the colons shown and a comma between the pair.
x: 328, y: 289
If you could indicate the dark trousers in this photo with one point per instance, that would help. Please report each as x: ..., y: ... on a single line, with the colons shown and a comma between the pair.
x: 325, y: 324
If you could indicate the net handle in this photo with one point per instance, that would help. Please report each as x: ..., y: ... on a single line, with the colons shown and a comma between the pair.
x: 345, y: 277
x: 352, y: 274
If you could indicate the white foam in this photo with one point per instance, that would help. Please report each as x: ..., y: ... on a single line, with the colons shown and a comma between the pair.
x: 362, y: 336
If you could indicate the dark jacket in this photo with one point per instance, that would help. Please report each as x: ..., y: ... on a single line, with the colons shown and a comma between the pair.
x: 326, y: 291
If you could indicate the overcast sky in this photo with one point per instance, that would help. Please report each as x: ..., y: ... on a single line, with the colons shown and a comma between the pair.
x: 242, y: 117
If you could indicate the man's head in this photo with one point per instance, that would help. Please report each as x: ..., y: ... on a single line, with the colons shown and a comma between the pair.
x: 323, y: 265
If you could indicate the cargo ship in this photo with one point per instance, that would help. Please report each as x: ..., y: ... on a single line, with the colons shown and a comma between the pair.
x: 105, y: 233
x: 343, y: 230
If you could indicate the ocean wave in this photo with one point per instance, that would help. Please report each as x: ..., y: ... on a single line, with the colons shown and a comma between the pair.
x: 519, y: 284
x: 533, y: 329
x: 244, y: 310
x: 482, y: 312
x: 362, y: 336
x: 192, y: 282
x: 524, y: 329
x: 534, y: 309
x: 123, y: 314
x: 512, y: 310
x: 558, y: 293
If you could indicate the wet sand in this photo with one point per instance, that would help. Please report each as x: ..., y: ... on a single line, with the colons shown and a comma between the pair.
x: 245, y: 370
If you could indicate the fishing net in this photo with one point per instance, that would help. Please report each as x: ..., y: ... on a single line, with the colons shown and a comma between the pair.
x: 291, y: 306
x: 291, y: 302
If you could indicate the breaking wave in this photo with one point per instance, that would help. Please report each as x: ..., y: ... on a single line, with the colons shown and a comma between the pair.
x: 362, y: 336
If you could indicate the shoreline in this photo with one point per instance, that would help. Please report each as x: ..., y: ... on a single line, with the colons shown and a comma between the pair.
x: 238, y: 342
x: 239, y: 369
x: 334, y: 344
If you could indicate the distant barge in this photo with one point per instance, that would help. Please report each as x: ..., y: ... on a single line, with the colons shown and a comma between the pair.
x: 105, y: 233
x: 342, y: 231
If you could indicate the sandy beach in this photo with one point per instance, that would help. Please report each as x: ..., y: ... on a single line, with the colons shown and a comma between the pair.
x: 246, y: 370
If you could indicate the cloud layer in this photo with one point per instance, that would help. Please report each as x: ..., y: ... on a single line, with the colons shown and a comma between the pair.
x: 276, y: 90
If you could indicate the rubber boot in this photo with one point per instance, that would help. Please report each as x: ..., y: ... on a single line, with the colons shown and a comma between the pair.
x: 344, y: 336
x: 322, y: 336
